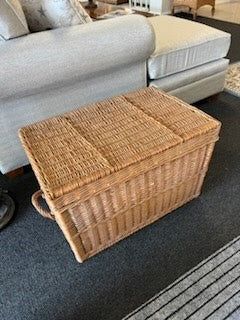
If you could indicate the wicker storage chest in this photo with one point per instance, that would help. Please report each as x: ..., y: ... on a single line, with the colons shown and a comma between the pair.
x: 113, y: 167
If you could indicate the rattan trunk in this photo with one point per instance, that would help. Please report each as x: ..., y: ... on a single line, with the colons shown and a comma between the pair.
x: 113, y: 167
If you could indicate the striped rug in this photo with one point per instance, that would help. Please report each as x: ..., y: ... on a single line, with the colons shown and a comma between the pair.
x: 210, y: 291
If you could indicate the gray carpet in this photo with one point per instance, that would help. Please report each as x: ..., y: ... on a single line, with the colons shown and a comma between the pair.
x: 40, y: 279
x: 210, y: 291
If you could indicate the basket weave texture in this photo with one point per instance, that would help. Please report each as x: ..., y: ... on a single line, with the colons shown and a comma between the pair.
x: 115, y: 166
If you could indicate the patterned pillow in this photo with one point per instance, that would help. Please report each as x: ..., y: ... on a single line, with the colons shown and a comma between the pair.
x: 64, y: 13
x: 50, y: 14
x: 12, y: 20
x: 35, y: 14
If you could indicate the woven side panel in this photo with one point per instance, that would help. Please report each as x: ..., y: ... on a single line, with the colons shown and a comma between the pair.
x: 105, y: 218
x: 71, y: 234
x: 81, y: 194
x: 161, y: 205
x: 130, y: 193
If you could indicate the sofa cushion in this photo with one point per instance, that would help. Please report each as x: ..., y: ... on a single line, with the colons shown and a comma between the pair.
x: 43, y: 15
x: 12, y: 20
x: 182, y: 44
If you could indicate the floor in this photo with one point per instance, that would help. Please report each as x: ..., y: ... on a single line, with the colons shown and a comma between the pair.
x: 40, y: 279
x: 229, y: 11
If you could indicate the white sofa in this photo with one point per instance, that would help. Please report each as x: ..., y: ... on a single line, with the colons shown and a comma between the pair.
x: 50, y: 72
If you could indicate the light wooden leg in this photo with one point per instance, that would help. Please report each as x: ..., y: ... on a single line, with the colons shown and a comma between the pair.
x: 15, y: 173
x: 213, y: 10
x: 194, y: 12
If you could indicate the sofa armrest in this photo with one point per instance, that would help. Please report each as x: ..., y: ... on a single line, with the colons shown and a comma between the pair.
x: 42, y: 60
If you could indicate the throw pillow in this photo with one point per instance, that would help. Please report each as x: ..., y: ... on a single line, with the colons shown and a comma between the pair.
x: 65, y: 13
x: 50, y: 14
x: 12, y: 20
x: 35, y: 15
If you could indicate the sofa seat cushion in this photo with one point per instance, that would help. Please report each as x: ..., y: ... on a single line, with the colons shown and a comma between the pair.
x: 182, y: 44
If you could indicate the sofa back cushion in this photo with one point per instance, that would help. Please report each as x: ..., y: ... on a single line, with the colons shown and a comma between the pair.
x: 12, y: 20
x: 64, y: 13
x: 50, y: 14
x: 35, y: 15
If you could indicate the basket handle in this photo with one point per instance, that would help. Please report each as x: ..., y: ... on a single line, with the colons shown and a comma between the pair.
x: 46, y: 213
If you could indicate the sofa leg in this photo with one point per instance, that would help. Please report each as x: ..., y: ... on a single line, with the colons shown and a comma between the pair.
x: 194, y: 13
x: 213, y: 10
x: 15, y: 173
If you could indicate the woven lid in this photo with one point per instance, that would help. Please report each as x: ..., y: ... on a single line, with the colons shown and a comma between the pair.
x: 69, y: 151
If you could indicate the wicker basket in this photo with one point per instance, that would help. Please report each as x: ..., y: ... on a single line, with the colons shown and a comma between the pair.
x: 116, y: 166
